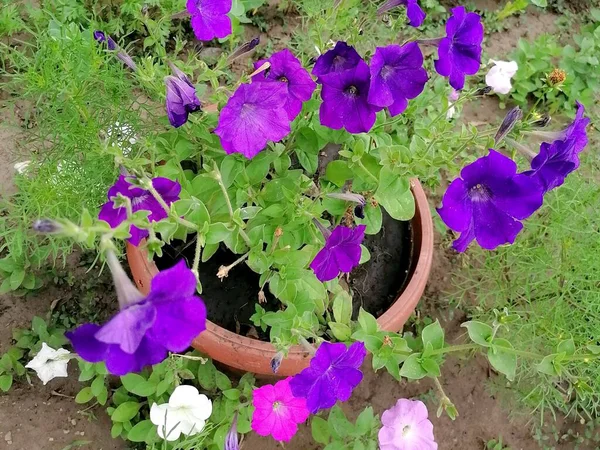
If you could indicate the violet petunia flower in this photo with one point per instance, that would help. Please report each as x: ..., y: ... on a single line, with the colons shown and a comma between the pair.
x: 488, y: 202
x: 334, y: 371
x: 341, y: 57
x: 340, y: 254
x: 414, y: 12
x: 145, y: 328
x: 254, y: 115
x: 100, y: 36
x: 286, y: 68
x: 557, y: 160
x: 397, y: 75
x: 459, y: 53
x: 209, y: 18
x: 405, y: 426
x: 345, y: 100
x: 140, y: 199
x: 181, y: 97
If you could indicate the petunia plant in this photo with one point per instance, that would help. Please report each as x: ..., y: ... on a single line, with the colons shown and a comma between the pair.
x: 289, y: 170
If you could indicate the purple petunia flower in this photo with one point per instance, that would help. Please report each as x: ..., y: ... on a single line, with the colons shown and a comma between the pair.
x: 397, y: 74
x: 254, y: 115
x: 286, y: 68
x: 340, y: 254
x: 341, y: 57
x: 168, y: 319
x: 488, y: 202
x: 557, y: 160
x: 181, y: 97
x: 100, y: 36
x: 460, y: 51
x: 334, y: 371
x: 345, y: 100
x: 405, y: 426
x: 416, y: 15
x: 140, y: 199
x: 209, y: 18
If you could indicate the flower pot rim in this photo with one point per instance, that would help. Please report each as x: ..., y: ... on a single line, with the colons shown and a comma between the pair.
x: 253, y: 355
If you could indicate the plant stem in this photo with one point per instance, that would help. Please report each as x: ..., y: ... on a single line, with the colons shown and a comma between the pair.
x: 163, y: 204
x: 197, y: 253
x: 373, y: 177
x: 217, y: 176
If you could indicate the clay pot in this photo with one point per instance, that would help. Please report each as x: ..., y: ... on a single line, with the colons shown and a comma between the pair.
x: 251, y: 355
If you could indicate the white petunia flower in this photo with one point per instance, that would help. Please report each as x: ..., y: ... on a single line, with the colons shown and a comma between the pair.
x: 498, y: 78
x: 186, y: 412
x: 50, y: 363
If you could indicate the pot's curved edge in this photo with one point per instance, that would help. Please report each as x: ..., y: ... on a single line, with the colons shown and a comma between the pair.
x: 255, y: 356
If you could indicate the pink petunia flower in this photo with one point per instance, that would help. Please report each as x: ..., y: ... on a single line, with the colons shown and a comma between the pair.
x: 277, y: 412
x: 406, y: 427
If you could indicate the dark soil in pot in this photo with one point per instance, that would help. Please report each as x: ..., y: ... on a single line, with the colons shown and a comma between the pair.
x: 230, y: 303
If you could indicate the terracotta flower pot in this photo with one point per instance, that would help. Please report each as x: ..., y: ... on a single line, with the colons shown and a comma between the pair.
x: 252, y: 355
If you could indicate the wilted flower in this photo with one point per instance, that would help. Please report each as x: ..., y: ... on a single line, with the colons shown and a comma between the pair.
x: 276, y: 360
x: 181, y: 97
x: 557, y: 160
x: 100, y: 36
x: 406, y: 427
x: 510, y: 120
x: 186, y: 413
x: 140, y: 199
x: 345, y: 100
x: 334, y: 371
x: 460, y: 51
x: 47, y: 226
x: 285, y: 68
x: 140, y: 335
x: 359, y: 209
x: 488, y: 202
x: 253, y: 116
x: 498, y: 78
x: 415, y: 14
x: 341, y: 57
x: 243, y: 49
x: 49, y: 363
x: 340, y: 254
x: 231, y: 440
x: 209, y: 18
x: 277, y: 411
x: 556, y: 77
x: 397, y: 75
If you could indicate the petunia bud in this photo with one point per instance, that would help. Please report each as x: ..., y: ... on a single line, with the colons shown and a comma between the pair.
x: 276, y: 361
x: 100, y: 36
x: 510, y: 120
x: 359, y: 211
x: 246, y: 47
x: 231, y: 440
x: 483, y: 91
x: 544, y: 121
x: 348, y: 196
x: 47, y: 226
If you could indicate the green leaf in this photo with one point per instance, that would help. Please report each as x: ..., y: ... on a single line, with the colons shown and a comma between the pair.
x: 479, y: 332
x: 365, y: 255
x: 339, y: 425
x: 540, y: 3
x: 141, y: 431
x: 84, y: 395
x: 338, y: 172
x: 207, y: 375
x: 365, y: 420
x: 394, y: 195
x: 97, y: 386
x: 16, y: 278
x: 341, y: 331
x: 594, y: 349
x: 431, y: 366
x: 367, y: 322
x: 320, y: 430
x: 116, y: 430
x: 162, y: 387
x: 307, y: 149
x: 6, y: 381
x: 412, y: 368
x: 342, y: 307
x: 502, y: 361
x: 232, y: 394
x: 38, y: 325
x: 217, y: 232
x: 373, y: 219
x: 567, y: 346
x: 138, y: 385
x: 547, y: 366
x: 125, y: 411
x: 433, y: 334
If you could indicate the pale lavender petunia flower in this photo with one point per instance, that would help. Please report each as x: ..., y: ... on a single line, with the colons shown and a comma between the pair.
x: 209, y: 18
x: 488, y: 202
x: 181, y: 97
x: 333, y: 373
x: 341, y: 57
x: 459, y: 53
x: 406, y: 427
x: 345, y: 100
x: 254, y: 115
x: 340, y: 254
x: 397, y: 75
x: 140, y: 199
x: 145, y: 328
x: 558, y: 159
x: 286, y: 68
x: 414, y: 12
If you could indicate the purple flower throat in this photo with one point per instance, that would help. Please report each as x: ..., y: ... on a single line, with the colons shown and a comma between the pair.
x: 480, y: 193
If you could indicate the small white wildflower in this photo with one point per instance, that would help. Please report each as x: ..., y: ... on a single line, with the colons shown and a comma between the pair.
x: 21, y: 167
x: 50, y: 363
x: 498, y: 78
x: 186, y: 412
